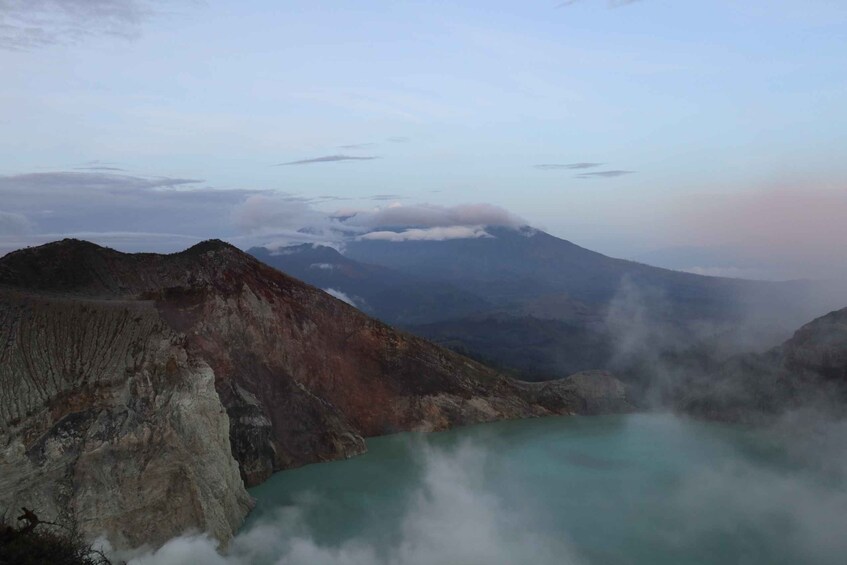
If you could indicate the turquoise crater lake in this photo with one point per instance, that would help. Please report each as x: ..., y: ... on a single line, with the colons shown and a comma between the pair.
x: 651, y: 489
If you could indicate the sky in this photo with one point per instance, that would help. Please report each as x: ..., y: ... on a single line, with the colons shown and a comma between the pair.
x: 703, y: 135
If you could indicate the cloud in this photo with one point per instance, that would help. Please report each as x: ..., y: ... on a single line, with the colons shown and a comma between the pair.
x: 60, y: 181
x: 609, y: 3
x: 328, y: 159
x: 399, y: 139
x: 358, y: 146
x: 285, y: 217
x: 14, y: 224
x: 118, y: 207
x: 427, y: 234
x: 272, y: 212
x: 604, y: 174
x: 30, y: 24
x: 166, y: 214
x: 340, y: 295
x: 567, y: 166
x: 329, y: 198
x: 431, y: 216
x: 387, y: 197
x: 101, y: 168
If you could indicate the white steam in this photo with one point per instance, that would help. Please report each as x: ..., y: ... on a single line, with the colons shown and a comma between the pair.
x: 450, y: 519
x: 806, y: 495
x: 676, y: 488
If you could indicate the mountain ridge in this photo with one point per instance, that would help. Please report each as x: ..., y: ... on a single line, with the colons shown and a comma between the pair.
x: 109, y: 355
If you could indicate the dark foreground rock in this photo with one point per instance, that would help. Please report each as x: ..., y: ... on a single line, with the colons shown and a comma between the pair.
x: 140, y: 394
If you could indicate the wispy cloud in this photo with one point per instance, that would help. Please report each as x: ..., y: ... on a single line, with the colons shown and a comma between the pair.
x: 328, y: 159
x: 329, y: 198
x: 268, y: 213
x: 14, y: 224
x: 399, y: 139
x: 387, y: 197
x: 112, y: 169
x: 428, y: 234
x: 30, y: 24
x: 431, y: 216
x: 604, y: 174
x: 358, y: 146
x: 566, y: 166
x: 62, y: 180
x: 160, y: 213
x: 610, y: 3
x: 39, y: 207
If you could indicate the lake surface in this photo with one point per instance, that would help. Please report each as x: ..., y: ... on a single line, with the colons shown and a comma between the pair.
x: 651, y: 489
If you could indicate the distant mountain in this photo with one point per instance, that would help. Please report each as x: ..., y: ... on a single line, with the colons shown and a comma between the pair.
x: 543, y: 307
x: 529, y: 347
x: 141, y: 393
x: 390, y: 295
x: 546, y: 337
x: 518, y: 267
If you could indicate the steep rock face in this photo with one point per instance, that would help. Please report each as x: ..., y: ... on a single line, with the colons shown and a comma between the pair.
x: 820, y: 347
x: 810, y: 369
x: 586, y: 392
x: 141, y: 392
x: 106, y: 418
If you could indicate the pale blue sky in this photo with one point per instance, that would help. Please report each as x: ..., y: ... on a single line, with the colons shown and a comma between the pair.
x: 695, y: 97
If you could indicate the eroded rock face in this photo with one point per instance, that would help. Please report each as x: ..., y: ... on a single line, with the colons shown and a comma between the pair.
x: 106, y: 418
x: 586, y: 392
x: 140, y: 393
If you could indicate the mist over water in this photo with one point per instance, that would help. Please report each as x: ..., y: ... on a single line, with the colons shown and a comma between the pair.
x: 650, y: 489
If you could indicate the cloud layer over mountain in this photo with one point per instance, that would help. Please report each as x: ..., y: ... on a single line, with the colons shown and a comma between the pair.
x: 778, y: 232
x: 431, y: 216
x: 144, y: 213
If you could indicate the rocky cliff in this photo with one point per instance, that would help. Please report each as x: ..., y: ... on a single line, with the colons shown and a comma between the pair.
x: 808, y: 370
x: 140, y: 394
x: 820, y: 347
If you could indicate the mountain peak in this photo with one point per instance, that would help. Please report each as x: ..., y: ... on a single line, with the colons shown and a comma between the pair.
x: 68, y: 244
x: 84, y: 268
x: 210, y: 245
